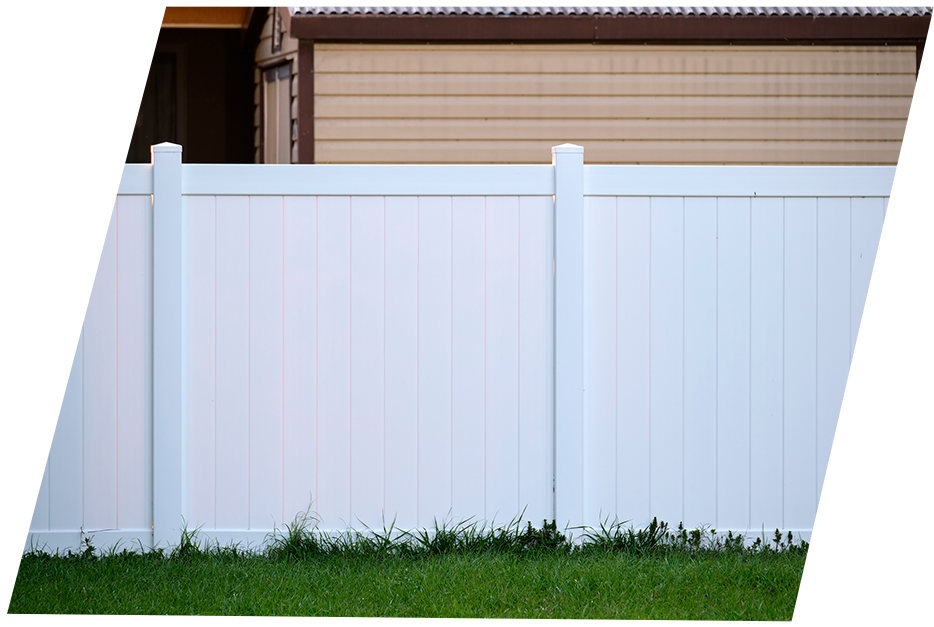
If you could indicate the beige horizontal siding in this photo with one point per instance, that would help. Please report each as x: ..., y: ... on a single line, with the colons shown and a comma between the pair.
x: 595, y: 151
x: 624, y: 104
x: 412, y: 84
x: 525, y: 107
x: 556, y: 130
x: 577, y: 59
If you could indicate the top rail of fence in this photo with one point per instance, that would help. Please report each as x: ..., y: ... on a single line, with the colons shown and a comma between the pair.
x: 351, y: 180
x: 518, y: 180
x: 369, y: 180
x: 743, y: 181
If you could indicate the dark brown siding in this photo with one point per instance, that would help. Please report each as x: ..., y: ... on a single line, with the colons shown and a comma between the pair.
x: 306, y: 102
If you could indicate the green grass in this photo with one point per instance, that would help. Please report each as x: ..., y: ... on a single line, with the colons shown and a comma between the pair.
x: 450, y: 572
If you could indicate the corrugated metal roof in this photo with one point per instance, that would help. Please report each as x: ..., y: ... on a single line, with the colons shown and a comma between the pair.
x: 622, y: 11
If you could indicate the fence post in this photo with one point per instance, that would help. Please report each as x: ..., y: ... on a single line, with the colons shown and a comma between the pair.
x: 167, y: 350
x: 568, y: 160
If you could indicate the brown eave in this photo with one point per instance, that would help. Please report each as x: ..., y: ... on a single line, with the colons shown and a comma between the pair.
x: 610, y: 29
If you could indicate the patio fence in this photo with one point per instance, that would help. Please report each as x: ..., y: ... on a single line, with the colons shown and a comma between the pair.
x: 404, y: 344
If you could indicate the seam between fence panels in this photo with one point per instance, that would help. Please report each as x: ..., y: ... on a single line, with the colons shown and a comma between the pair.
x: 384, y: 362
x: 249, y: 353
x: 649, y: 421
x: 317, y: 350
x: 484, y: 362
x: 816, y: 337
x: 350, y: 364
x: 749, y: 418
x: 282, y: 380
x: 784, y: 302
x: 849, y: 380
x: 683, y: 340
x: 616, y: 363
x: 716, y: 457
x: 418, y: 216
x: 518, y: 355
x: 214, y: 395
x: 451, y: 438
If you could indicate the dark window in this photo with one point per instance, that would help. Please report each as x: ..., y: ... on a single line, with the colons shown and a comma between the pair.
x: 89, y: 108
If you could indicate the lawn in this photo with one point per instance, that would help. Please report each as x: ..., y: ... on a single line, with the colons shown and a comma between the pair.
x: 616, y: 573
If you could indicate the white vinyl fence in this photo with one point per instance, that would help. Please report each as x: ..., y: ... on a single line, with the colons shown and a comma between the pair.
x: 405, y: 344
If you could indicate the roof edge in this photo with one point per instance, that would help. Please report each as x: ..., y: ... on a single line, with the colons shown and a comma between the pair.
x: 567, y: 28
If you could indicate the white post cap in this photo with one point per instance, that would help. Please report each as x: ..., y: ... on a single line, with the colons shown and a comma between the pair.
x: 567, y: 148
x: 166, y: 147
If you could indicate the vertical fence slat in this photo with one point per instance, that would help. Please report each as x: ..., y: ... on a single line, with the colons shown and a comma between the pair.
x: 299, y: 396
x: 765, y: 455
x: 65, y: 454
x: 401, y: 357
x: 536, y: 365
x: 733, y: 336
x: 232, y: 365
x: 366, y: 363
x: 700, y: 361
x: 434, y: 359
x: 100, y: 397
x: 569, y: 333
x: 168, y: 273
x: 667, y: 362
x: 633, y: 354
x: 265, y: 362
x: 200, y: 401
x: 867, y: 217
x: 468, y: 385
x: 334, y: 445
x: 600, y: 364
x: 134, y: 424
x: 502, y: 358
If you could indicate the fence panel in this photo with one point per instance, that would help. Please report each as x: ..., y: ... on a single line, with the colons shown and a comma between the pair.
x: 399, y: 345
x: 367, y: 364
x: 98, y: 477
x: 730, y: 350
